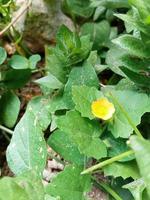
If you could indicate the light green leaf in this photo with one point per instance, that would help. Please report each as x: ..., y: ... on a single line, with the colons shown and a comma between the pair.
x: 3, y: 55
x: 33, y: 60
x: 133, y: 46
x: 70, y: 185
x: 19, y: 62
x: 10, y: 190
x: 139, y: 102
x: 125, y: 170
x: 49, y: 82
x: 32, y: 185
x: 9, y: 109
x: 27, y: 149
x: 113, y: 59
x: 84, y: 75
x: 84, y: 133
x: 136, y: 188
x: 141, y: 149
x: 61, y: 143
x: 83, y: 97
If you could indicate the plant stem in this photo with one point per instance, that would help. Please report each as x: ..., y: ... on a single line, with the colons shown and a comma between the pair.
x: 16, y: 18
x: 107, y: 188
x: 107, y: 162
x: 6, y: 136
x: 127, y: 116
x: 6, y: 129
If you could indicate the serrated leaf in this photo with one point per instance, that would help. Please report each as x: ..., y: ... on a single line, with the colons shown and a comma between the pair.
x: 133, y: 45
x: 61, y: 143
x: 3, y: 55
x: 84, y: 75
x: 84, y: 133
x: 136, y: 188
x: 70, y: 185
x: 27, y: 149
x: 141, y: 149
x: 10, y: 107
x: 120, y: 126
x: 83, y: 97
x: 125, y: 170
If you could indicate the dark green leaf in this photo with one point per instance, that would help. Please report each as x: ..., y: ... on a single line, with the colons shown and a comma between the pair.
x: 10, y: 107
x: 70, y: 185
x: 61, y: 143
x: 84, y: 133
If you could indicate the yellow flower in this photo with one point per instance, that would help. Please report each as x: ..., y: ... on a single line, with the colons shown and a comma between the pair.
x: 103, y: 109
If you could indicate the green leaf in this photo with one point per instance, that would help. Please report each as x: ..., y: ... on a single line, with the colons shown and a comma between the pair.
x: 33, y: 60
x: 69, y: 49
x: 10, y: 190
x: 78, y: 8
x: 25, y: 187
x: 141, y: 149
x: 125, y: 170
x: 3, y: 55
x: 14, y: 79
x: 10, y: 107
x: 84, y: 133
x: 136, y: 188
x: 83, y: 97
x: 140, y: 79
x: 19, y: 62
x: 27, y: 149
x: 61, y: 143
x: 133, y: 45
x: 70, y: 185
x: 99, y: 33
x: 54, y: 66
x: 119, y: 125
x: 110, y: 3
x: 32, y: 185
x: 117, y: 146
x: 49, y: 82
x: 113, y: 59
x: 84, y: 75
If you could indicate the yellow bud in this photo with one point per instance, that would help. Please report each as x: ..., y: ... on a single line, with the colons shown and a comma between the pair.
x: 103, y: 109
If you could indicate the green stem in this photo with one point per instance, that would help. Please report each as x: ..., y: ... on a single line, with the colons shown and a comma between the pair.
x: 127, y: 116
x: 107, y: 188
x: 107, y: 162
x: 6, y: 129
x: 6, y: 136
